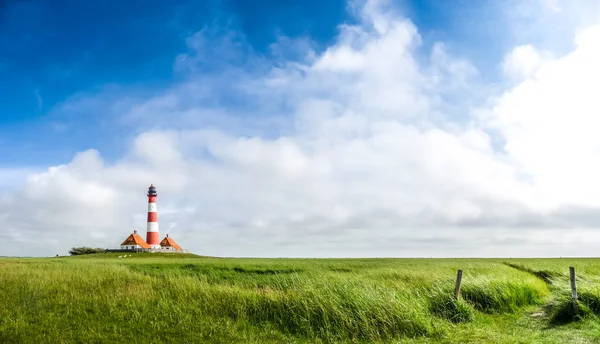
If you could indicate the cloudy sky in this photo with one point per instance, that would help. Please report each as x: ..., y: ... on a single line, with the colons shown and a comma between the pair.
x: 302, y: 128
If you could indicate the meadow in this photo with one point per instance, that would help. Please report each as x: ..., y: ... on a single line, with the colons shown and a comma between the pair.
x: 176, y: 298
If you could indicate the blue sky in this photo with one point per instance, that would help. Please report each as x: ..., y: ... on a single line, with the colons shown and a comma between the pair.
x: 52, y: 52
x: 304, y: 127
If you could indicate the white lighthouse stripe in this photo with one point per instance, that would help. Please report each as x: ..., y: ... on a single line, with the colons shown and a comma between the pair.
x: 152, y: 207
x: 152, y: 227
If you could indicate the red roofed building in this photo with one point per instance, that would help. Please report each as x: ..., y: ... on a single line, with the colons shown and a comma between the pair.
x: 134, y: 241
x: 169, y: 244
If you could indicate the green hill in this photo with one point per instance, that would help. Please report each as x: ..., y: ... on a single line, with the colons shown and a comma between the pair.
x: 113, y: 255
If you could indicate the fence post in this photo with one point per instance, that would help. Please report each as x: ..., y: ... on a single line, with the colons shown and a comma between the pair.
x: 573, y: 289
x: 457, y: 287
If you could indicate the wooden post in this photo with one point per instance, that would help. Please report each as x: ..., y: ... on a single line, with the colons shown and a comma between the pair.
x: 457, y: 288
x: 573, y: 289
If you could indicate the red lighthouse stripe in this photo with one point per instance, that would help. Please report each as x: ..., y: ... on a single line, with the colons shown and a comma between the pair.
x: 152, y: 217
x: 151, y: 199
x: 152, y: 238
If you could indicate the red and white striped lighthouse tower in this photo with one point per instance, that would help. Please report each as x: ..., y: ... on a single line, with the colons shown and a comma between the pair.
x: 152, y: 236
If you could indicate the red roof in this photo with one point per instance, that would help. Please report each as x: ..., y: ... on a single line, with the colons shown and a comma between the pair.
x: 166, y: 242
x: 135, y: 239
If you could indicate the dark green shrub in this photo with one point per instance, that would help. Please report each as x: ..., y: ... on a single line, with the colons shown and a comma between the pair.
x: 77, y: 251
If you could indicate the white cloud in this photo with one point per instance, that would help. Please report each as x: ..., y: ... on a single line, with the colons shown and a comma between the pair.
x: 548, y: 122
x: 523, y: 61
x: 360, y: 150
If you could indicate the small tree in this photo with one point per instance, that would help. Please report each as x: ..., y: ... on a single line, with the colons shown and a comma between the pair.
x: 77, y: 251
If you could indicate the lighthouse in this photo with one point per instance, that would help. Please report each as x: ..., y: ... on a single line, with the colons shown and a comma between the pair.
x: 153, y: 243
x: 152, y: 236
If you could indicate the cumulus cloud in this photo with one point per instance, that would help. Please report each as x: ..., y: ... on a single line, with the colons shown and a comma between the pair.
x: 548, y: 124
x: 357, y: 150
x: 523, y: 61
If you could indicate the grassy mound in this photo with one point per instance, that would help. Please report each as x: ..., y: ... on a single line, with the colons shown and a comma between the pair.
x: 104, y: 296
x: 563, y: 311
x: 498, y: 296
x: 447, y: 307
x: 591, y: 300
x: 545, y: 275
x: 137, y: 255
x: 349, y: 310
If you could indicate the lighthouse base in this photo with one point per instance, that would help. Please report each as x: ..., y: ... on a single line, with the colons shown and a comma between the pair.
x: 153, y: 239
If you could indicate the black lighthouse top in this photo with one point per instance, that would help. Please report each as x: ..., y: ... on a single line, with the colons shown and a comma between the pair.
x: 152, y: 190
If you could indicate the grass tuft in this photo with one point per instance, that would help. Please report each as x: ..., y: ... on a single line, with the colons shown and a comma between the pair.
x: 591, y: 300
x: 563, y: 311
x: 447, y: 307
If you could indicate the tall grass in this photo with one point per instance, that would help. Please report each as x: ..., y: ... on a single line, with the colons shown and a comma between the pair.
x: 148, y: 298
x: 503, y: 295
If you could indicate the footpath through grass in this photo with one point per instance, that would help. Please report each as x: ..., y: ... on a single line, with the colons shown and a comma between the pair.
x: 152, y: 298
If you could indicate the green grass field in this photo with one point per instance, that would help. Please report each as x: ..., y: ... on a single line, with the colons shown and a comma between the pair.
x: 152, y: 298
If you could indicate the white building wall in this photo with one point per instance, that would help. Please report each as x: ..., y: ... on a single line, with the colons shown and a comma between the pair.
x: 130, y: 247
